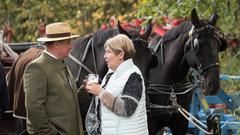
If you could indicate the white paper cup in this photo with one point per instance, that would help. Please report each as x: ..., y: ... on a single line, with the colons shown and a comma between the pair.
x: 92, y: 78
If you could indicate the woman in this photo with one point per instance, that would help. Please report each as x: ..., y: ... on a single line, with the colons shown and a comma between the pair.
x: 119, y: 104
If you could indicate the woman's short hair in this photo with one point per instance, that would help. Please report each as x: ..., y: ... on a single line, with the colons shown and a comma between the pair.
x: 120, y: 43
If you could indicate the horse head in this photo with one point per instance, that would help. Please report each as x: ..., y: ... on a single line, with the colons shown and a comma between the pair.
x: 145, y: 58
x: 201, y: 50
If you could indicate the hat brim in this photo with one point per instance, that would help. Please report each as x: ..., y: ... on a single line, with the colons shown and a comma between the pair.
x: 45, y: 39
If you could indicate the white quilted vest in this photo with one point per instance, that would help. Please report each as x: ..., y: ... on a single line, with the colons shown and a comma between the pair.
x: 113, y: 124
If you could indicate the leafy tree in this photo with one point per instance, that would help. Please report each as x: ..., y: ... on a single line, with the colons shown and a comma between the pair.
x: 228, y: 11
x: 25, y: 16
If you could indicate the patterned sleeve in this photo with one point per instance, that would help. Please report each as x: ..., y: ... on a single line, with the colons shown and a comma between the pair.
x: 126, y: 104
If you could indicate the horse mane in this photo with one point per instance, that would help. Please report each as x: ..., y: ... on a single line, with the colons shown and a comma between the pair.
x: 179, y: 30
x: 100, y: 36
x: 183, y: 28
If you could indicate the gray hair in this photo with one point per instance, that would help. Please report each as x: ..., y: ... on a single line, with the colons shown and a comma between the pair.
x: 120, y: 43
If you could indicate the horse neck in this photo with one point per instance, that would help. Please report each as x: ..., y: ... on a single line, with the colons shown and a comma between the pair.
x: 174, y: 61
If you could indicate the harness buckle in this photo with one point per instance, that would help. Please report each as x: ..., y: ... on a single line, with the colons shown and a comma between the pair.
x: 173, y: 99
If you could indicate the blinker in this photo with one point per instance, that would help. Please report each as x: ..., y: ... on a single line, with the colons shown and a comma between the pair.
x: 196, y: 45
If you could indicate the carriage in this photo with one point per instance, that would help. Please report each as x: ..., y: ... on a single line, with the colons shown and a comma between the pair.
x: 221, y: 106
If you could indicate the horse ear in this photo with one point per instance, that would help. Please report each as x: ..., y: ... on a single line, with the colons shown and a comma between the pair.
x: 194, y: 18
x: 214, y: 18
x: 121, y: 30
x: 148, y: 31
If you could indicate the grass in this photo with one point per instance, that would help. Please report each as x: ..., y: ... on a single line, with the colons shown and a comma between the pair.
x: 230, y: 65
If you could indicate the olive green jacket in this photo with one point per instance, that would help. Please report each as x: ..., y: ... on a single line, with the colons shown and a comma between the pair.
x: 51, y: 98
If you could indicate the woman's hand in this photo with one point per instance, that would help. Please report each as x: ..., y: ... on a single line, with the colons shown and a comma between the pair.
x: 84, y: 84
x: 94, y: 88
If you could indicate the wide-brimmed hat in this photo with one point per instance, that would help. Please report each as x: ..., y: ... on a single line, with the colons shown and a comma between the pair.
x: 57, y: 31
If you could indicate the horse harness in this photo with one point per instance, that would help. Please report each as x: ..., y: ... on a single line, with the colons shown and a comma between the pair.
x: 81, y: 62
x: 192, y: 45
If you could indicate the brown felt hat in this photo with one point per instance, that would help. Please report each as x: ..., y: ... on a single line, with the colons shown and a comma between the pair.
x: 57, y: 31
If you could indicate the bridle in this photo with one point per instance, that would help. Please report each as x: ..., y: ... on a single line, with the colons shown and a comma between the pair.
x: 144, y: 43
x: 138, y: 39
x: 192, y: 46
x: 81, y: 62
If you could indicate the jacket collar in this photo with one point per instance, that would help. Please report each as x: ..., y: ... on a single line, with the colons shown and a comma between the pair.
x: 53, y: 60
x: 127, y: 64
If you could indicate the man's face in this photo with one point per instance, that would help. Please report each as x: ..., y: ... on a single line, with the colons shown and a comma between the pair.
x: 64, y: 48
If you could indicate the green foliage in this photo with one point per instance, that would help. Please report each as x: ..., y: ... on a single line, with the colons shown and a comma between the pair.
x: 228, y: 11
x: 230, y: 65
x: 25, y: 16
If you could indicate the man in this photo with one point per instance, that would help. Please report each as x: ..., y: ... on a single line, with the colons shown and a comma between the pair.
x: 50, y: 91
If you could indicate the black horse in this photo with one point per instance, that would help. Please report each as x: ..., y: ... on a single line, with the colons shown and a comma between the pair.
x: 195, y: 44
x: 4, y: 97
x: 90, y: 50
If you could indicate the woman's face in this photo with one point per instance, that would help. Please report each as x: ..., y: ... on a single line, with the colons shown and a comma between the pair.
x: 113, y: 60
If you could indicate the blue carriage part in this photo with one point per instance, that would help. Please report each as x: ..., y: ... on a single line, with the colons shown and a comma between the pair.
x: 229, y: 102
x: 229, y: 77
x: 228, y: 123
x: 199, y: 108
